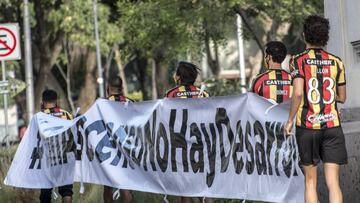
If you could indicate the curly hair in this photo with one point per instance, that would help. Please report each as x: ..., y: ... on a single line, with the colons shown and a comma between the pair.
x: 316, y: 30
x: 277, y: 50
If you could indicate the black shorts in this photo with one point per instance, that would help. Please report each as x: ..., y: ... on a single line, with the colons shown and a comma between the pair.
x: 326, y: 145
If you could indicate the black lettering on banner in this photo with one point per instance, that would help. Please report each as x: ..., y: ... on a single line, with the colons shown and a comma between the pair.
x: 37, y: 153
x: 259, y: 149
x: 150, y: 141
x: 279, y: 127
x: 178, y: 140
x: 288, y: 161
x: 270, y: 140
x: 211, y: 149
x: 238, y: 147
x: 221, y: 118
x: 121, y: 138
x: 51, y: 151
x: 162, y: 160
x: 294, y: 159
x: 146, y: 133
x: 57, y: 150
x: 138, y: 143
x: 68, y: 145
x: 97, y: 126
x: 249, y: 148
x: 127, y: 146
x: 80, y: 141
x: 196, y: 148
x: 104, y: 142
x: 113, y: 137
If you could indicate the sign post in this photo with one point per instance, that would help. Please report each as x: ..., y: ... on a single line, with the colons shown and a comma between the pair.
x: 9, y: 50
x: 5, y: 101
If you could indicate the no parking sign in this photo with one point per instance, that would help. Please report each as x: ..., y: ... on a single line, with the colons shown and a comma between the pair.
x: 9, y: 42
x: 9, y: 50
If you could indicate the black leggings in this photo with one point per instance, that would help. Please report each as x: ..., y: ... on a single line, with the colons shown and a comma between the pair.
x: 64, y: 191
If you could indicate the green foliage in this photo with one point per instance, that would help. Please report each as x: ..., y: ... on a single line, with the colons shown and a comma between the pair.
x: 136, y: 96
x: 223, y: 87
x: 171, y: 29
x: 289, y: 11
x: 152, y: 27
x: 75, y: 18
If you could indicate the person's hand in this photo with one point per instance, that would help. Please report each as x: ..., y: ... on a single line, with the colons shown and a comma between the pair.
x: 288, y: 128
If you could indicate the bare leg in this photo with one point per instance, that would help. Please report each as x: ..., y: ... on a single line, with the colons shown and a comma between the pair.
x: 311, y: 184
x: 208, y: 200
x: 67, y: 199
x: 126, y: 196
x: 186, y: 200
x: 108, y: 194
x: 332, y: 181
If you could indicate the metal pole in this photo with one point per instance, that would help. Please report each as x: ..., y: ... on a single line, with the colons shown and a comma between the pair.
x: 100, y: 78
x: 241, y: 53
x: 28, y: 63
x: 5, y: 103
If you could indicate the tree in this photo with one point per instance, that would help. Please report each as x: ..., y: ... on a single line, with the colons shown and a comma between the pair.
x: 267, y: 20
x: 79, y: 29
x: 58, y: 25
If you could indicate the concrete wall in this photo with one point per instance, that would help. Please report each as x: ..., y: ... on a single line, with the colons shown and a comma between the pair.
x: 345, y: 28
x: 350, y: 173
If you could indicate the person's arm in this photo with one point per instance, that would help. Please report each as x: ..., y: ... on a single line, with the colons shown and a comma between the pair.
x: 341, y: 84
x: 341, y: 94
x: 298, y: 92
x: 255, y: 85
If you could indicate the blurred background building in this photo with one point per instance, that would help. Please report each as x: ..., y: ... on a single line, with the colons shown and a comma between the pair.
x: 345, y: 43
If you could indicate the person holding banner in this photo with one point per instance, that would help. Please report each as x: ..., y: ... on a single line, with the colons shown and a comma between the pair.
x: 275, y: 83
x: 185, y: 77
x: 49, y: 106
x: 115, y: 93
x: 319, y: 84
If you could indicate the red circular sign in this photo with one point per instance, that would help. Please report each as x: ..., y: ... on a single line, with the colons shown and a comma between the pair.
x: 9, y: 49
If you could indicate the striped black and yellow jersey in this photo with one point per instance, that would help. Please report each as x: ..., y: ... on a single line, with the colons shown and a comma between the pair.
x: 323, y: 73
x: 186, y: 91
x: 119, y: 98
x: 274, y: 84
x: 58, y: 112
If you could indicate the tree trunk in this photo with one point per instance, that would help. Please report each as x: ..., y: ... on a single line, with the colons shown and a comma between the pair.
x: 88, y: 92
x: 213, y: 63
x: 121, y: 69
x: 153, y: 79
x: 49, y: 49
x: 107, y: 65
x: 140, y: 67
x: 248, y: 26
x: 162, y: 79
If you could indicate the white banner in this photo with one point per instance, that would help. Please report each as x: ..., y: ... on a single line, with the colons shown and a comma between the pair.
x: 221, y: 147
